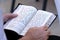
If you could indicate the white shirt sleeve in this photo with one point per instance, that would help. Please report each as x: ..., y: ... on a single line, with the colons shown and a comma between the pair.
x: 2, y: 34
x: 57, y: 3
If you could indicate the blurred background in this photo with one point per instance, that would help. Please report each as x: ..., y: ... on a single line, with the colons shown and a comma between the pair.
x: 55, y: 28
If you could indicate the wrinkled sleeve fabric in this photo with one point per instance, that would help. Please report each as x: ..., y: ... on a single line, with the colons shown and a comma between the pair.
x: 2, y: 34
x: 57, y: 4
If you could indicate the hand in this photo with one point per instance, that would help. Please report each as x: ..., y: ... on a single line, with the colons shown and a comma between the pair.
x: 37, y: 33
x: 8, y: 16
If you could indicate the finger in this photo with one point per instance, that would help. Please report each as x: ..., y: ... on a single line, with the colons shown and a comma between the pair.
x: 48, y: 32
x: 44, y: 28
x: 8, y: 16
x: 11, y: 16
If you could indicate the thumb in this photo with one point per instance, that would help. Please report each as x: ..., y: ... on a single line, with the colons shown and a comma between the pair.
x: 9, y: 16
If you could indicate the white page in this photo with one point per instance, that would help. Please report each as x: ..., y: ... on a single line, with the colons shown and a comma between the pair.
x: 40, y: 19
x: 57, y: 3
x: 2, y: 34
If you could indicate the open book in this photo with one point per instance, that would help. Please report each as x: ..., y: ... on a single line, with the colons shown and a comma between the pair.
x: 28, y: 17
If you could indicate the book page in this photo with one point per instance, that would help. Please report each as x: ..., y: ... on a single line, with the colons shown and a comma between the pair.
x: 25, y: 14
x: 40, y: 19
